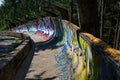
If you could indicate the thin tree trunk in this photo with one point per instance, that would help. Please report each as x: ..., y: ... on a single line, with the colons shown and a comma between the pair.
x: 101, y: 20
x: 118, y: 37
x: 115, y: 37
x: 71, y: 15
x: 78, y: 12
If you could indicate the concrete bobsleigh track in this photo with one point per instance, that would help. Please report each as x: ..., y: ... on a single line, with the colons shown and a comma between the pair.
x: 62, y: 51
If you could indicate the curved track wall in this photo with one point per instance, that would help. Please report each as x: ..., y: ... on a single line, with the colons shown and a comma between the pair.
x: 96, y: 60
x: 40, y: 28
x: 80, y: 58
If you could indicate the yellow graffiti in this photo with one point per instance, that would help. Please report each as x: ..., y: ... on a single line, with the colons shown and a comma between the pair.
x: 80, y: 63
x: 75, y: 42
x: 80, y: 60
x: 80, y: 66
x: 74, y: 59
x: 83, y: 75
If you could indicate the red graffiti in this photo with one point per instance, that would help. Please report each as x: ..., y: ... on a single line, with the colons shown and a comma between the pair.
x: 37, y: 22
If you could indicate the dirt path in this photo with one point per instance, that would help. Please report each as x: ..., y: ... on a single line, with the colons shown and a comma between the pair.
x: 39, y: 66
x: 43, y: 65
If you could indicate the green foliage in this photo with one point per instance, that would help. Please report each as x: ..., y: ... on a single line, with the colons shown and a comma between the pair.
x: 62, y: 3
x: 17, y: 12
x: 107, y: 23
x: 111, y: 13
x: 16, y: 40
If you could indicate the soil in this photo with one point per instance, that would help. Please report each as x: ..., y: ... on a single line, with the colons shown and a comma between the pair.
x: 43, y: 66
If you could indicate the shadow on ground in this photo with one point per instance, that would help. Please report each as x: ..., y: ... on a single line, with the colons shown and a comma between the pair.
x: 27, y: 62
x: 52, y: 44
x: 25, y: 66
x: 39, y: 77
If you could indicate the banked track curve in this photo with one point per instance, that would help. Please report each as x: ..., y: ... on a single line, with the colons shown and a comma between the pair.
x: 82, y: 56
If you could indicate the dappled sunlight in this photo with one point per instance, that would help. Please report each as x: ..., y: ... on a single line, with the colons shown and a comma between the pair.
x: 113, y: 53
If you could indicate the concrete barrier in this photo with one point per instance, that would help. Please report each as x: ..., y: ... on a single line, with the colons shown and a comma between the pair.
x: 10, y: 64
x: 105, y: 58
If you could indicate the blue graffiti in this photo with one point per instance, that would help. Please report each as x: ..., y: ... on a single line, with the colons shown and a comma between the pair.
x: 63, y: 64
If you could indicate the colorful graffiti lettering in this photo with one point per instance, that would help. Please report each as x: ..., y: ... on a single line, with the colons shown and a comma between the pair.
x: 79, y: 56
x: 41, y: 28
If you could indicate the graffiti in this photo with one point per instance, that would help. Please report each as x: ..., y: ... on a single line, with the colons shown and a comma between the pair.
x: 45, y: 27
x: 63, y: 64
x: 41, y: 27
x: 84, y: 68
x: 75, y: 59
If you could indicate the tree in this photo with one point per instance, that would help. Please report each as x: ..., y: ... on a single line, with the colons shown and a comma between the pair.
x: 89, y: 18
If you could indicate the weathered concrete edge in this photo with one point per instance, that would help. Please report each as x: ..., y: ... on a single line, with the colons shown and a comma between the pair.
x: 18, y: 35
x: 107, y: 49
x: 113, y: 53
x: 71, y: 24
x: 13, y: 61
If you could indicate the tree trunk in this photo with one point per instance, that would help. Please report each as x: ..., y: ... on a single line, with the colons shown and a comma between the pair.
x: 71, y: 10
x: 118, y: 38
x: 89, y: 19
